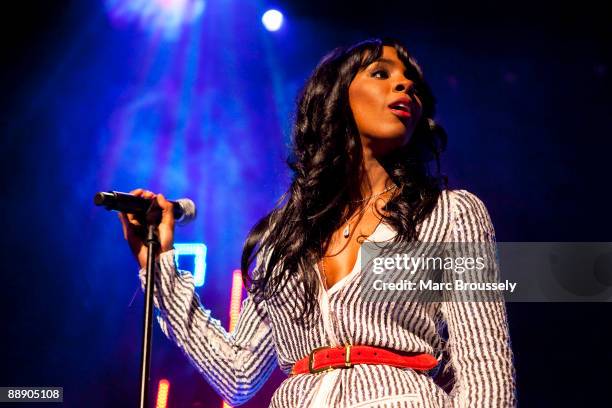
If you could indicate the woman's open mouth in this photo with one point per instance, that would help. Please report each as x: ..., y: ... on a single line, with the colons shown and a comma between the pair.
x: 401, y: 108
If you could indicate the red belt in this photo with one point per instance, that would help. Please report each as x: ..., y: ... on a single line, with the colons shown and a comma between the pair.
x: 327, y: 358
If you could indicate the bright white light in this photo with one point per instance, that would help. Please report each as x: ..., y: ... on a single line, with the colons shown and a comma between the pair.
x: 167, y: 17
x: 272, y: 20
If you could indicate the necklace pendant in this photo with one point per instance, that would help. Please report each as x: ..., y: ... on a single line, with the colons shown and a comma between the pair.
x: 346, y: 232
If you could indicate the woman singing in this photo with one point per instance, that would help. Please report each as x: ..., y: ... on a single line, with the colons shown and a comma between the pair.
x: 363, y: 138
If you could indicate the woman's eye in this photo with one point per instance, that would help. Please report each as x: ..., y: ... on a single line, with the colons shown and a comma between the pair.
x: 380, y: 73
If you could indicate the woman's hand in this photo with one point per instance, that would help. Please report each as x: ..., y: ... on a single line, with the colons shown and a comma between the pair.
x: 135, y: 233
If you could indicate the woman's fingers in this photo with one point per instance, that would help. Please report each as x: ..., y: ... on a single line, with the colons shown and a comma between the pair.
x: 166, y: 227
x: 134, y: 232
x: 139, y: 192
x: 133, y: 220
x: 131, y: 232
x: 167, y: 209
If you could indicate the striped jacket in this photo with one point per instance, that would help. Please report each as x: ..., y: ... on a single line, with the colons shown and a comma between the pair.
x: 237, y: 364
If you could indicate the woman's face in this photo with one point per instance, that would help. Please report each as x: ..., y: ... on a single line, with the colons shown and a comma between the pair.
x: 384, y: 104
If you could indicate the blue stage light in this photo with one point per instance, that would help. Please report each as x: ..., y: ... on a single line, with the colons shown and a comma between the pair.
x: 166, y: 17
x: 198, y: 251
x: 272, y: 20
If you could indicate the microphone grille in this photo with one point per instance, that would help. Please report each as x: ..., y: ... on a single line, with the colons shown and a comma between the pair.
x: 189, y: 210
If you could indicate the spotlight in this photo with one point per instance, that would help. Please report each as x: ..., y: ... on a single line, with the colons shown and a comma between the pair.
x: 167, y: 17
x: 272, y: 20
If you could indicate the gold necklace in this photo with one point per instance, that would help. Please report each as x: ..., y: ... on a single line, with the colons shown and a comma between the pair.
x: 346, y: 232
x: 323, y: 271
x: 391, y: 187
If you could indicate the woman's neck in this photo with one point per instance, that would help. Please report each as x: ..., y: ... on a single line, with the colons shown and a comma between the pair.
x: 375, y: 179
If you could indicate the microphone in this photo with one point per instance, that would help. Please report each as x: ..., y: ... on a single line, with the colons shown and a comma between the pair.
x: 184, y: 209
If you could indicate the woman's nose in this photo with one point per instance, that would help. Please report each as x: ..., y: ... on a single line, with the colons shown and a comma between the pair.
x: 406, y: 86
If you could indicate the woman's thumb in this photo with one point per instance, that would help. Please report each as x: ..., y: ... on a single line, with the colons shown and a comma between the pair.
x: 167, y: 209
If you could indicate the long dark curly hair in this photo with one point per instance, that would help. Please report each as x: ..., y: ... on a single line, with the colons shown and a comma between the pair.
x: 326, y: 162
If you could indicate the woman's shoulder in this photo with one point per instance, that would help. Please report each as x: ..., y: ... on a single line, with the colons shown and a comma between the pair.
x: 469, y: 215
x: 459, y: 193
x: 461, y: 200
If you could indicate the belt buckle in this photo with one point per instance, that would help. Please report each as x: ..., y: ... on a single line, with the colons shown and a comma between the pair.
x: 311, y: 361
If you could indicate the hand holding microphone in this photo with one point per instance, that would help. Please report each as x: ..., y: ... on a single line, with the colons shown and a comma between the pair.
x: 134, y: 206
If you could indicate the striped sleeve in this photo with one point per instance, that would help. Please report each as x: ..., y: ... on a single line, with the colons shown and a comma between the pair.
x: 235, y: 364
x: 479, y: 341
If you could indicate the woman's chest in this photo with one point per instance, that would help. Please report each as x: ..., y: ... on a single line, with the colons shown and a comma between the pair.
x: 342, y: 252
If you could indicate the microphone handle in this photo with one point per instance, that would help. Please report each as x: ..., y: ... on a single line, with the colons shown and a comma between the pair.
x: 128, y: 203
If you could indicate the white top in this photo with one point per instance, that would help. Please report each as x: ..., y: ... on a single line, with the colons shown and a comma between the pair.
x: 237, y: 364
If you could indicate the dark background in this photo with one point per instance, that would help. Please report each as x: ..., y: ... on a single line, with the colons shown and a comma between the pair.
x: 523, y: 90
